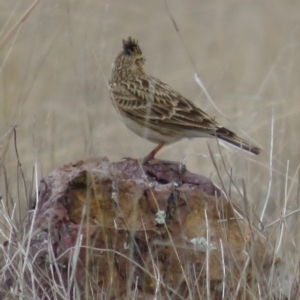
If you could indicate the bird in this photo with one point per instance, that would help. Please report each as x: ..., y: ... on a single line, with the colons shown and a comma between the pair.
x: 155, y: 111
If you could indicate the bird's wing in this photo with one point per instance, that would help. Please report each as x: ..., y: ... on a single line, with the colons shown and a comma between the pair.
x: 147, y: 99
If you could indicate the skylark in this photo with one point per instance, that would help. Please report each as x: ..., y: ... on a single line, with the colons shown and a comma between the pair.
x: 156, y: 112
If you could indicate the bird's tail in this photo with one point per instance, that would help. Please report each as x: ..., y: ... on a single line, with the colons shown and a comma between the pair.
x: 231, y: 138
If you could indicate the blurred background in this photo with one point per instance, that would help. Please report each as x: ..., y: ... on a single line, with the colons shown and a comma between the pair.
x: 55, y: 69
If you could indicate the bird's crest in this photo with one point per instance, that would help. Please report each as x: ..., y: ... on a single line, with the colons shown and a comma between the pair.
x: 131, y: 46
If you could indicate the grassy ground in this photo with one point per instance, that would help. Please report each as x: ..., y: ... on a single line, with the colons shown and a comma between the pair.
x: 53, y: 86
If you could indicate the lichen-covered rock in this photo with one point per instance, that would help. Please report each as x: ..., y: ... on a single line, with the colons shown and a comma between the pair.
x: 109, y: 229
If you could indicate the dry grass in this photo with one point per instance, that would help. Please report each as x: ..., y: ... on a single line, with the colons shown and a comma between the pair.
x: 53, y: 86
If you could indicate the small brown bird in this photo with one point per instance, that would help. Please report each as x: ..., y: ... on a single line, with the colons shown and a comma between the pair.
x: 154, y: 111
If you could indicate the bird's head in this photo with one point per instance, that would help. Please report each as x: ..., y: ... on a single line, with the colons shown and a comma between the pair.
x: 131, y: 58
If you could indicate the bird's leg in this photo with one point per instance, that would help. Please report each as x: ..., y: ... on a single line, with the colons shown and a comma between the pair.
x: 152, y: 153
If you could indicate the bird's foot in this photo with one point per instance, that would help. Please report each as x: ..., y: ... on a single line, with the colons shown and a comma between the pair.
x: 175, y: 165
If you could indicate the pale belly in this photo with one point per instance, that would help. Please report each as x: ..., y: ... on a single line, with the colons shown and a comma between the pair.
x: 152, y: 135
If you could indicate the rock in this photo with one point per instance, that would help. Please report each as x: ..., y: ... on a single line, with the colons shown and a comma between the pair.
x: 122, y: 229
